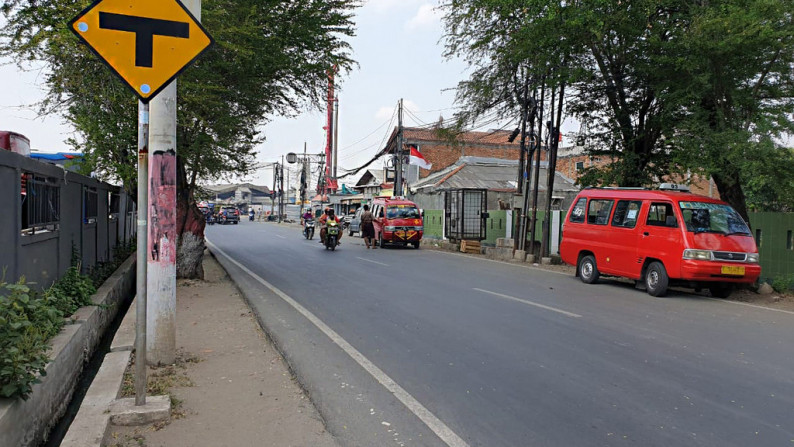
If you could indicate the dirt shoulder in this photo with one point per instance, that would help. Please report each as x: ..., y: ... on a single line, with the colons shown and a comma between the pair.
x: 230, y: 386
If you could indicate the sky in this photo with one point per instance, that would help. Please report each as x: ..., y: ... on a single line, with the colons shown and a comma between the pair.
x: 399, y: 53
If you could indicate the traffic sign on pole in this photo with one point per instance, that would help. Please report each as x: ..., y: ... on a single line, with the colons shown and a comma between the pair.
x: 147, y: 43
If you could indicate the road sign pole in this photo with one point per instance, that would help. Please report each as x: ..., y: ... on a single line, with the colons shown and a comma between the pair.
x: 140, y: 303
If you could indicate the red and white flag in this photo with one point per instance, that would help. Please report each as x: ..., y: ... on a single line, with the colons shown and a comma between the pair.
x: 417, y: 159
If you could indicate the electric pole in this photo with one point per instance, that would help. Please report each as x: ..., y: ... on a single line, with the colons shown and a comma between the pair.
x: 398, y: 164
x: 273, y: 191
x: 336, y: 135
x: 281, y: 190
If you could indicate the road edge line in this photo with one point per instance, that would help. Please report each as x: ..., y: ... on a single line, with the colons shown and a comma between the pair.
x: 435, y: 424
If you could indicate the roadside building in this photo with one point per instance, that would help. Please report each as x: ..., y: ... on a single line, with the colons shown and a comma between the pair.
x: 497, y: 176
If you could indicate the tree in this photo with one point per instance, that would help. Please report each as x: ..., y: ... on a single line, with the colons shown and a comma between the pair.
x: 664, y: 88
x: 736, y: 90
x: 270, y: 58
x: 613, y: 52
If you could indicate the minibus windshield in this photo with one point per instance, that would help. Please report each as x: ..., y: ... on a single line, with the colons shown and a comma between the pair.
x: 703, y: 217
x: 402, y: 212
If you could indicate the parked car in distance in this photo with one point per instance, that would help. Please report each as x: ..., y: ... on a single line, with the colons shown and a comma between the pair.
x: 228, y: 214
x: 347, y: 218
x: 355, y: 223
x: 659, y: 238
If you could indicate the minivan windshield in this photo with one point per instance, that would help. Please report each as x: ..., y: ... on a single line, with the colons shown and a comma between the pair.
x: 402, y: 212
x: 703, y: 217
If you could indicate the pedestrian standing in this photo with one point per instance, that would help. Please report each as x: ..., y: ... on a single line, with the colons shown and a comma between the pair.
x: 367, y: 228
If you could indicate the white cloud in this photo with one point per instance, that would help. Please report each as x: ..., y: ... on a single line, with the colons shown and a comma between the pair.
x: 427, y: 16
x: 385, y: 5
x: 386, y: 112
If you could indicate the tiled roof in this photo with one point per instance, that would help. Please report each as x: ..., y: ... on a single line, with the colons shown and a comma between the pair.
x: 494, y: 137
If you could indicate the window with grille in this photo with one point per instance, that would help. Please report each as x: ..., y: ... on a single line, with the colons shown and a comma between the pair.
x: 41, y: 204
x: 90, y: 205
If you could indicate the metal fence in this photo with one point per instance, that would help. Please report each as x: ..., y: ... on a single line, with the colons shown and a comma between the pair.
x: 49, y: 212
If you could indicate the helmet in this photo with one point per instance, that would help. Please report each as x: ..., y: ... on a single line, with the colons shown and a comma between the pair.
x: 329, y: 211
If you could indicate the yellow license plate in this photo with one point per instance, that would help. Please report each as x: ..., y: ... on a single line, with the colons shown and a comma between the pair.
x: 733, y: 270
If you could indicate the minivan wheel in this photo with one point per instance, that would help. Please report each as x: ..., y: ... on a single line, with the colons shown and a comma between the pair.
x: 588, y: 272
x: 721, y: 291
x: 656, y: 279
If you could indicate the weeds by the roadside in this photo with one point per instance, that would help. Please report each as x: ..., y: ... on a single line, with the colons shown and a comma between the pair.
x: 160, y: 381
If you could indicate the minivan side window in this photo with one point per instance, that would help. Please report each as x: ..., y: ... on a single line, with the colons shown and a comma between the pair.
x: 662, y: 215
x: 577, y: 213
x: 598, y: 211
x: 626, y: 213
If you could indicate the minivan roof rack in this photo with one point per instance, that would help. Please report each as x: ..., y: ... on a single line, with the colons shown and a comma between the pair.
x: 673, y: 187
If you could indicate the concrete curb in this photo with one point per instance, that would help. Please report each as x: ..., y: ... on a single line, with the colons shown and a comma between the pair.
x: 101, y: 405
x: 26, y: 422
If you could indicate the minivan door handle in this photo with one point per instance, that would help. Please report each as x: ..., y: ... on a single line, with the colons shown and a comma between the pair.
x: 646, y: 233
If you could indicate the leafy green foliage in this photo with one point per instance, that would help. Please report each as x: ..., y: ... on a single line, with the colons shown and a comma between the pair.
x: 102, y: 270
x: 783, y: 283
x: 270, y: 58
x: 27, y: 321
x: 71, y: 292
x: 701, y: 87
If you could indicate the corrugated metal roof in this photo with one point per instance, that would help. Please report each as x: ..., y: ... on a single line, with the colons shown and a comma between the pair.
x: 486, y: 173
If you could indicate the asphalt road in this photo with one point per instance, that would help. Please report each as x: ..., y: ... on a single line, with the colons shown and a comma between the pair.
x: 459, y: 350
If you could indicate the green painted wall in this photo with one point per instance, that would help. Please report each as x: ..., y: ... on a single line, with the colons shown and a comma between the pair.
x: 434, y: 224
x: 775, y: 246
x: 495, y: 226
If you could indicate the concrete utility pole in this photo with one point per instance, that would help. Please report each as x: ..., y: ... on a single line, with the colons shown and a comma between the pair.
x: 162, y: 244
x: 161, y: 278
x: 398, y: 163
x: 281, y: 190
x: 273, y: 191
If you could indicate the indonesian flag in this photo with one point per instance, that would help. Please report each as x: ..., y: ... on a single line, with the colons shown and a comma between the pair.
x: 417, y: 159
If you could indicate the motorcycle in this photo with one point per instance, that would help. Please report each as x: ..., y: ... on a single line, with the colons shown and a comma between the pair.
x: 331, y: 235
x: 251, y: 217
x: 210, y: 219
x: 308, y: 229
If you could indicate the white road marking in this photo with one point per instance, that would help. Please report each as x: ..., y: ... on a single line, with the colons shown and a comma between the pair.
x: 374, y: 262
x: 751, y: 305
x: 531, y: 303
x: 280, y: 236
x: 433, y: 423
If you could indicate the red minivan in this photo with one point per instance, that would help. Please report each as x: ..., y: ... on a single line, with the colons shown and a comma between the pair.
x: 659, y: 238
x: 397, y: 221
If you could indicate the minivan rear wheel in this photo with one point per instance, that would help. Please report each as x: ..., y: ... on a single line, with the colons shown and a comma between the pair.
x: 656, y: 279
x: 588, y: 272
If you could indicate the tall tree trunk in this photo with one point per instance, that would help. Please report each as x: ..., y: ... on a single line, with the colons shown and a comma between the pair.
x: 190, y: 228
x: 731, y: 191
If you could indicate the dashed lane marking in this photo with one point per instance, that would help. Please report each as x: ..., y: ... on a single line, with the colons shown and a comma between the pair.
x: 374, y: 262
x: 531, y: 303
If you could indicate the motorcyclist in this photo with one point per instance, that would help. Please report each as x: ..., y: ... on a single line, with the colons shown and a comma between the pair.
x: 328, y: 215
x: 307, y: 215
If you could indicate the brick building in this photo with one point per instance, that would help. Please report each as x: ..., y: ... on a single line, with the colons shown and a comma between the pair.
x: 572, y: 160
x: 443, y: 152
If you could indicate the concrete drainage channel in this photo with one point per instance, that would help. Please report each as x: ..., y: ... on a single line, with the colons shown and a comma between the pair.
x: 26, y: 423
